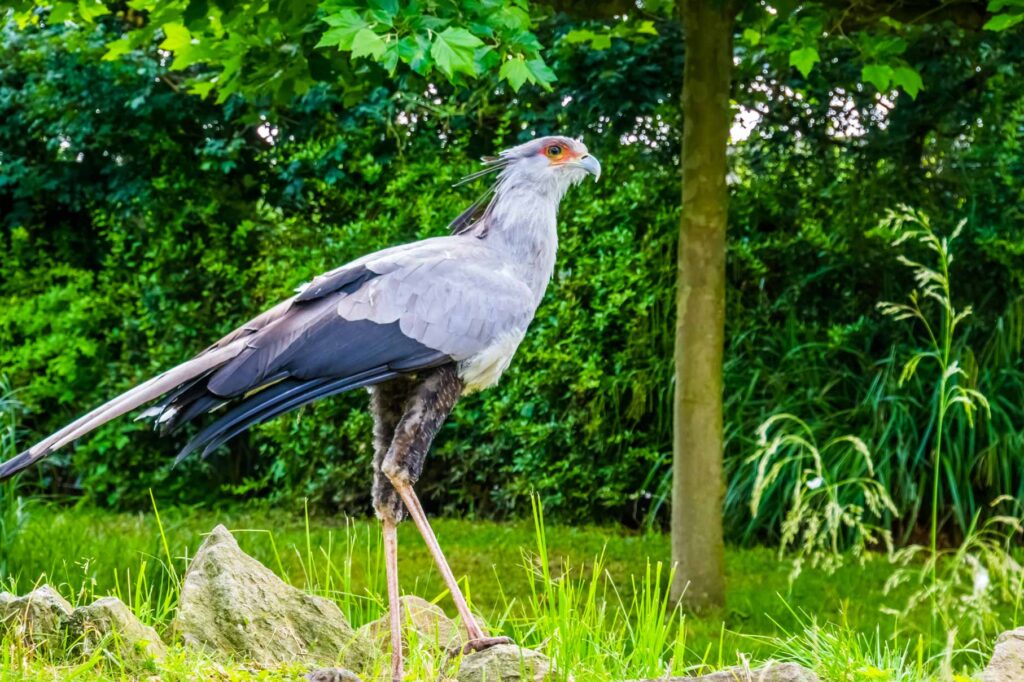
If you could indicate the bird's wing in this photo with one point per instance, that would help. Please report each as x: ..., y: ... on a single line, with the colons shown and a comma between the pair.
x: 456, y: 295
x: 400, y: 311
x: 401, y: 308
x: 343, y: 276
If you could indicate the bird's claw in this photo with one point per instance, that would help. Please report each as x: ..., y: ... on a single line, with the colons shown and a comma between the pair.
x: 480, y: 644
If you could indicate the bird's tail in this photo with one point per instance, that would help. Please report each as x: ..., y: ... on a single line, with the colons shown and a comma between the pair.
x: 126, y: 402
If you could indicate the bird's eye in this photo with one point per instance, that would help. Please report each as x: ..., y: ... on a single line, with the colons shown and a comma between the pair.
x: 554, y: 151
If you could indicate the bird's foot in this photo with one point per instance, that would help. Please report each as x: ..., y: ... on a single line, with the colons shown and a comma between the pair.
x: 480, y: 644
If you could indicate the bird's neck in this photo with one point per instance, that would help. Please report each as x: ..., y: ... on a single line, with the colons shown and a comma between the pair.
x: 522, y: 223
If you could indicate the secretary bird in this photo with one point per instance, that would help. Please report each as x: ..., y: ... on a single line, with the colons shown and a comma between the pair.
x: 419, y: 325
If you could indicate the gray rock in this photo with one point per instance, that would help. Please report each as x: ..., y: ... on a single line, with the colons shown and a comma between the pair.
x: 233, y: 605
x: 1007, y: 664
x: 504, y: 663
x: 37, y: 618
x: 332, y: 675
x: 773, y: 672
x: 108, y: 623
x: 429, y: 621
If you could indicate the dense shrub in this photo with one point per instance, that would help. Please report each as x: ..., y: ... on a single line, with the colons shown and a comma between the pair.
x: 139, y: 223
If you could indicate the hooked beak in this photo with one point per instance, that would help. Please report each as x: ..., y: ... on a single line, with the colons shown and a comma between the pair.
x: 591, y: 165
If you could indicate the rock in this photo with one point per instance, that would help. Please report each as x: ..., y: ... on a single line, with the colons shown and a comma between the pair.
x: 332, y: 675
x: 427, y: 620
x: 108, y: 623
x: 504, y: 663
x: 1007, y: 664
x: 773, y: 672
x: 234, y: 606
x: 43, y: 617
x: 38, y: 617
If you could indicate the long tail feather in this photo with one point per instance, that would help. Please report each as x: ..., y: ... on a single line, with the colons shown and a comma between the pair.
x: 126, y: 402
x: 269, y: 403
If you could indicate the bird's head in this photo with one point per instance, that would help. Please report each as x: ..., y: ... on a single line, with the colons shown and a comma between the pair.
x: 554, y: 161
x: 545, y: 167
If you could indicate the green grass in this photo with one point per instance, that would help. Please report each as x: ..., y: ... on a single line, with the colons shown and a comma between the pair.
x: 605, y: 618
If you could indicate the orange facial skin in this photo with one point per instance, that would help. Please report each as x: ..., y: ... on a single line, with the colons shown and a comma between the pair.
x: 558, y: 153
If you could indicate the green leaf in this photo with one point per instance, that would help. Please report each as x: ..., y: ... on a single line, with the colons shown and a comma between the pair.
x: 1001, y: 22
x: 751, y: 36
x: 579, y: 36
x: 879, y: 75
x: 647, y: 28
x: 389, y: 7
x: 415, y: 51
x: 344, y: 27
x: 90, y: 10
x: 176, y: 37
x: 804, y: 59
x: 190, y: 54
x: 909, y: 79
x: 516, y: 72
x: 332, y: 37
x: 116, y: 48
x: 345, y: 18
x: 542, y: 73
x: 996, y: 5
x: 390, y: 59
x: 367, y: 43
x: 202, y: 88
x: 453, y: 51
x: 61, y: 12
x: 512, y: 18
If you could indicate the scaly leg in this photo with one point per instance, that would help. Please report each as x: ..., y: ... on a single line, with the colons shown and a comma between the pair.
x: 477, y: 639
x: 387, y: 403
x: 394, y: 601
x: 425, y: 411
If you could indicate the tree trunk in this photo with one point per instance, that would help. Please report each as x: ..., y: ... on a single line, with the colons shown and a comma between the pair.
x: 697, y: 485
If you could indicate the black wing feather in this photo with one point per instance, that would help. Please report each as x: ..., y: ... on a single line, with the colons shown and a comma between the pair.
x: 272, y: 402
x: 287, y: 367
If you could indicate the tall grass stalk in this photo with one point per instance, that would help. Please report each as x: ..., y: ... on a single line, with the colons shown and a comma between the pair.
x: 969, y: 586
x: 14, y: 509
x: 835, y: 506
x: 934, y: 284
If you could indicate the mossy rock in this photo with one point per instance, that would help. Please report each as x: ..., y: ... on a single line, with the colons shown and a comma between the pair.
x: 36, y: 618
x: 232, y: 605
x: 108, y: 624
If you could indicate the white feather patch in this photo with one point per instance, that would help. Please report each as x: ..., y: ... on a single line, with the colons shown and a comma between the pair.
x: 485, y: 368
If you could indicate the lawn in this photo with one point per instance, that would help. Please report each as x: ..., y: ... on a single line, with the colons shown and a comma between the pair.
x: 601, y: 617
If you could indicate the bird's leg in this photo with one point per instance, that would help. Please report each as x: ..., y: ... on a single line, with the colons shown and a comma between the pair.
x: 394, y: 598
x: 477, y: 639
x: 387, y: 403
x: 425, y: 412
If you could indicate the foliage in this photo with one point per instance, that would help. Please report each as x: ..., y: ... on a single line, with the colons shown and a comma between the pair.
x: 1007, y: 14
x: 965, y: 587
x: 14, y: 509
x: 934, y: 286
x: 139, y: 222
x: 835, y: 508
x: 795, y: 36
x: 280, y: 50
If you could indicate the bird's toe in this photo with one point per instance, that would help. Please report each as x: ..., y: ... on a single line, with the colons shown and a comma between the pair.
x: 483, y: 643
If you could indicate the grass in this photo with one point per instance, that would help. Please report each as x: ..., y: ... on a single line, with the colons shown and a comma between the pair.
x: 593, y: 598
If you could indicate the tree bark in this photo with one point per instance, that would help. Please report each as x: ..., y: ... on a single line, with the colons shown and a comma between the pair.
x: 697, y: 544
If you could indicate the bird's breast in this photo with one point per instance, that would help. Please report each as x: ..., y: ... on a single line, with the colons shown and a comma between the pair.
x: 483, y: 369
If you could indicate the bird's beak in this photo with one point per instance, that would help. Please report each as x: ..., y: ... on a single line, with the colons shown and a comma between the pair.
x: 591, y: 165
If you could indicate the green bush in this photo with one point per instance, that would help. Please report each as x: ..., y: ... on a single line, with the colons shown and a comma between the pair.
x: 139, y: 223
